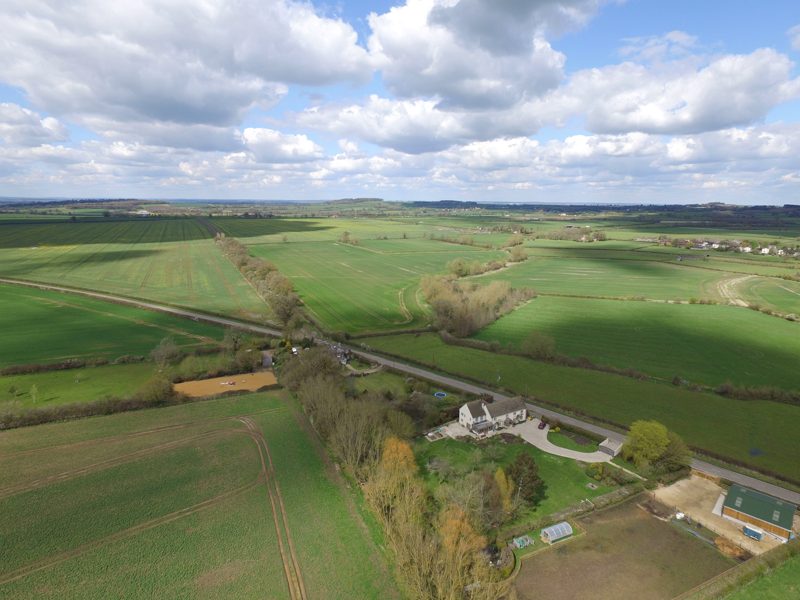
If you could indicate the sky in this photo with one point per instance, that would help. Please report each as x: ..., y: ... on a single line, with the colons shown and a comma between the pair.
x: 491, y: 100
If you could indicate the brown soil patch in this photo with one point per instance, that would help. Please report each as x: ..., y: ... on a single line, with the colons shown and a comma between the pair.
x: 249, y: 382
x: 222, y: 575
x: 728, y: 548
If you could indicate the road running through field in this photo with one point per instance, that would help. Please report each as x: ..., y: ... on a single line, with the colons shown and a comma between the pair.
x: 446, y: 380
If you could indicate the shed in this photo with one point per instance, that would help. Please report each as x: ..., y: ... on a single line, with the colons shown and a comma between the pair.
x: 554, y: 533
x: 522, y: 542
x: 609, y: 446
x: 752, y: 507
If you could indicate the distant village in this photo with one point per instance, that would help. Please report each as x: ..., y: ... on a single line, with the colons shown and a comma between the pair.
x: 743, y: 246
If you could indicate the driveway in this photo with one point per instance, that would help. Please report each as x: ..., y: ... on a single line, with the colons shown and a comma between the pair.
x: 530, y: 432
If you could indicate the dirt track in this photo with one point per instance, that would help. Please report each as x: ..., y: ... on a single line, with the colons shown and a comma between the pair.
x: 726, y: 288
x: 291, y: 565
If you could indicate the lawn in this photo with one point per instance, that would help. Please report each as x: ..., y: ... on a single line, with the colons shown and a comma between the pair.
x: 625, y: 553
x: 707, y: 344
x: 73, y: 385
x: 759, y: 433
x: 113, y: 506
x: 565, y: 480
x: 779, y: 583
x: 170, y: 261
x: 42, y: 326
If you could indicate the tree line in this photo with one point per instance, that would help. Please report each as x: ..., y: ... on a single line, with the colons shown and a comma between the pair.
x: 276, y: 289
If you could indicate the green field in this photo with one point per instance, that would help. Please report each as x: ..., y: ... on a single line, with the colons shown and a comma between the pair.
x: 369, y: 287
x: 41, y: 326
x: 779, y: 583
x: 564, y: 480
x: 170, y: 261
x: 759, y: 433
x: 707, y: 344
x: 173, y: 503
x: 73, y: 385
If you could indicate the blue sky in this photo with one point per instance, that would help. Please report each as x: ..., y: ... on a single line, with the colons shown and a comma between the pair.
x: 505, y: 100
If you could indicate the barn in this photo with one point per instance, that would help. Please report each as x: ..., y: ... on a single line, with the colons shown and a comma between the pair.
x: 554, y: 533
x: 750, y: 507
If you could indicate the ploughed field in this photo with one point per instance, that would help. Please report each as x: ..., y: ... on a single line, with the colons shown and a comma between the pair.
x: 227, y: 498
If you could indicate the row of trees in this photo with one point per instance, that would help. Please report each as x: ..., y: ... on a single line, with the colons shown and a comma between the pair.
x: 276, y: 289
x: 437, y: 553
x: 463, y: 308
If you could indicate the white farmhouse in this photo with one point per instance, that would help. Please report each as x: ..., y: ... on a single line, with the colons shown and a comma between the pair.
x: 480, y: 416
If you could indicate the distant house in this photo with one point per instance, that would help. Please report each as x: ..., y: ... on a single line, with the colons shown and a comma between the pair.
x: 480, y: 416
x: 554, y: 533
x: 745, y: 249
x: 750, y: 507
x: 765, y: 251
x: 611, y: 447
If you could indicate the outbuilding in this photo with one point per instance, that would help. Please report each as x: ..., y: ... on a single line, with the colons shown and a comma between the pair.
x: 751, y: 507
x: 611, y: 447
x: 557, y: 532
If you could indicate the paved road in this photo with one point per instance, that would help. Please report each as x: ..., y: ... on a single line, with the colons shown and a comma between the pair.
x: 530, y: 432
x: 445, y: 380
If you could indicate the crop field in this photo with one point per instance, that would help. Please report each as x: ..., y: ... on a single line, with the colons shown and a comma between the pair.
x: 369, y: 287
x: 707, y: 344
x: 625, y: 553
x: 759, y: 433
x: 41, y: 326
x: 215, y: 499
x: 169, y: 261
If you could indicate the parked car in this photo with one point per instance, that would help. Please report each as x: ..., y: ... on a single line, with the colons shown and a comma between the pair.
x: 542, y: 424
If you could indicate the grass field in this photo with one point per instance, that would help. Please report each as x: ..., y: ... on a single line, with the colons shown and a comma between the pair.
x: 707, y: 344
x: 40, y: 326
x: 170, y: 261
x: 778, y: 584
x: 565, y: 481
x: 369, y: 287
x: 173, y: 503
x: 759, y: 433
x: 625, y: 553
x: 73, y: 385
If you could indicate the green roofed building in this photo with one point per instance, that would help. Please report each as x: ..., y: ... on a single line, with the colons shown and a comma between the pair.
x: 756, y: 508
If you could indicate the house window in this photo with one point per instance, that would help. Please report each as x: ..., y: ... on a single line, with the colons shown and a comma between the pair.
x: 776, y: 515
x: 738, y: 503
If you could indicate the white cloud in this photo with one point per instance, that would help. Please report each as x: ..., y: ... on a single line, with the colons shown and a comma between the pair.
x: 273, y: 146
x: 425, y: 48
x: 23, y: 127
x: 794, y: 37
x: 182, y: 62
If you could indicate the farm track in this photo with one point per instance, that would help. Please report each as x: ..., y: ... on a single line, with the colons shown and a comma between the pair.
x: 726, y: 288
x: 423, y: 373
x: 126, y: 533
x: 291, y: 565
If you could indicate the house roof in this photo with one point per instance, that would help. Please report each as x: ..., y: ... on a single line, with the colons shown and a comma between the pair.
x: 475, y: 409
x: 760, y: 506
x: 498, y: 408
